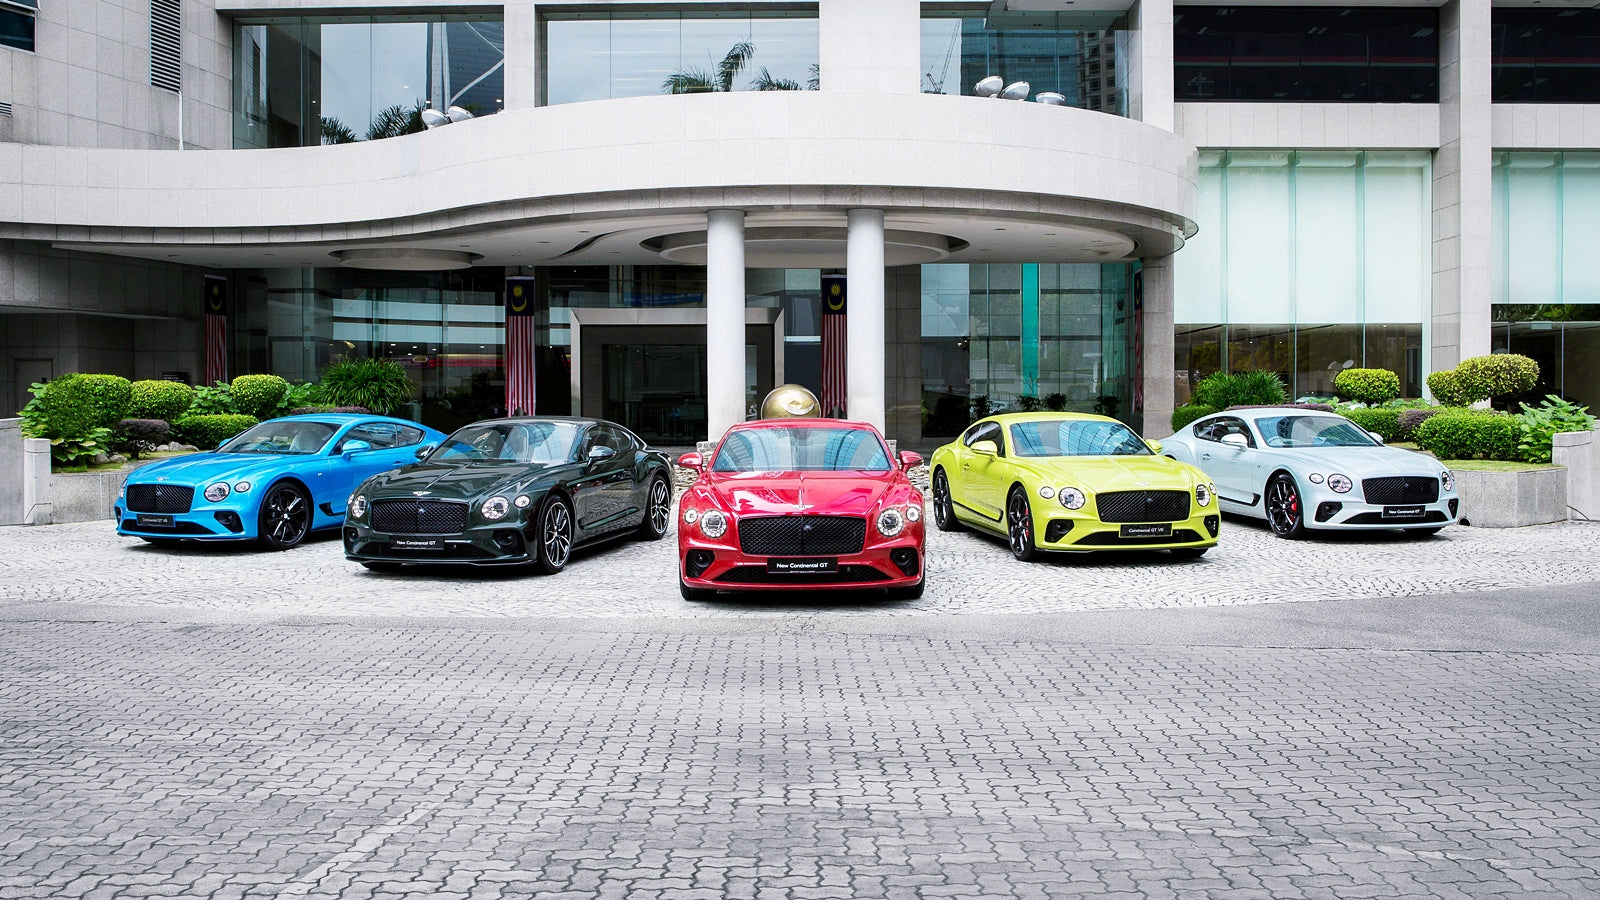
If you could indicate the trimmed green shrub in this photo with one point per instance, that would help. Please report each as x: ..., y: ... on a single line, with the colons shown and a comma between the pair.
x: 136, y: 436
x: 258, y: 395
x: 1184, y: 415
x: 206, y: 432
x: 377, y: 384
x: 1367, y: 385
x: 1462, y: 434
x: 1410, y: 419
x: 1537, y: 426
x: 1225, y: 389
x: 1380, y: 421
x: 1487, y: 377
x: 214, y: 400
x: 76, y: 404
x: 1446, y: 388
x: 300, y: 393
x: 164, y: 400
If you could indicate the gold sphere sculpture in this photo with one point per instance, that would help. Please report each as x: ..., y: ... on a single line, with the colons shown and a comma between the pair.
x: 790, y: 401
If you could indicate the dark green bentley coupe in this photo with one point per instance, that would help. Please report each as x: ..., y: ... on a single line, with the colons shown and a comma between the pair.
x: 518, y: 491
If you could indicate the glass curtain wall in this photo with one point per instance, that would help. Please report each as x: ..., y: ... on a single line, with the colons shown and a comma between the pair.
x: 1306, y: 263
x: 606, y: 55
x: 1072, y: 54
x: 1545, y: 55
x: 1546, y: 288
x: 300, y: 82
x: 1325, y: 54
x: 1012, y: 336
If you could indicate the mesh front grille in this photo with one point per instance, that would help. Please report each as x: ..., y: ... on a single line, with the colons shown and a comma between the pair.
x: 159, y: 498
x: 419, y: 517
x: 760, y: 575
x: 1400, y: 490
x: 1143, y: 506
x: 802, y: 535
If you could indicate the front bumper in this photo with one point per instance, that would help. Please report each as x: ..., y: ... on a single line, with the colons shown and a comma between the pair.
x: 1072, y: 531
x: 1326, y: 510
x: 501, y: 544
x: 205, y: 521
x: 887, y: 565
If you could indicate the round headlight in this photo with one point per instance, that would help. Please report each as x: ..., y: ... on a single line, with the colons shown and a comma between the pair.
x: 1071, y: 498
x: 358, y: 506
x: 242, y: 487
x: 890, y: 522
x: 1046, y: 491
x: 523, y: 501
x: 495, y: 508
x: 1314, y: 478
x: 1202, y: 495
x: 1339, y: 483
x: 690, y: 516
x: 1447, y: 481
x: 217, y: 492
x: 914, y: 511
x: 713, y: 524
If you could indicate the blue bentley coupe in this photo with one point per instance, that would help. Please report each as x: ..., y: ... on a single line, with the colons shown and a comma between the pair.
x: 275, y: 483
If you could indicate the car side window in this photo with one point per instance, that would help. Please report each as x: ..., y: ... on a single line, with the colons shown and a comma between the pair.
x: 606, y: 436
x: 1230, y: 425
x: 381, y: 435
x: 1206, y: 431
x: 986, y: 431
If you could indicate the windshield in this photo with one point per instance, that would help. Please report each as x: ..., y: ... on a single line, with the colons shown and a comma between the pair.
x: 518, y: 442
x: 282, y: 436
x: 1075, y: 437
x: 802, y: 450
x: 1312, y: 431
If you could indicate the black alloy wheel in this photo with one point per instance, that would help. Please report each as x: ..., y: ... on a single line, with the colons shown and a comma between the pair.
x: 1285, y: 513
x: 1019, y: 526
x: 694, y: 595
x: 553, y: 544
x: 1188, y: 552
x: 657, y: 511
x: 944, y: 507
x: 285, y: 518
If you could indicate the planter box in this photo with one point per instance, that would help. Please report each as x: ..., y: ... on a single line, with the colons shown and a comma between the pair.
x: 1512, y: 499
x: 87, y: 496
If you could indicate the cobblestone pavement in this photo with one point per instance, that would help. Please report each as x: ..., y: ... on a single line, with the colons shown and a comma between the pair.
x: 227, y: 761
x: 966, y: 574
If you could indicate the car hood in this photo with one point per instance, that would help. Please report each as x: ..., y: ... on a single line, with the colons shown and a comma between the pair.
x: 201, y: 469
x: 1359, y: 462
x: 466, y: 481
x: 816, y: 493
x: 1115, y: 473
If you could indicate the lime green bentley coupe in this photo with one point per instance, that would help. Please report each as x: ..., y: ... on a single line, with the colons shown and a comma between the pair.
x: 1069, y: 481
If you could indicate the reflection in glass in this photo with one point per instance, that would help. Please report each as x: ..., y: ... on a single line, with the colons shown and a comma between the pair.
x: 1545, y: 55
x: 1198, y: 352
x: 1050, y: 51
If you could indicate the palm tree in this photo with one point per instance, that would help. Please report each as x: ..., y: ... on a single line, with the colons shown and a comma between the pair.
x: 698, y: 81
x: 393, y: 121
x: 336, y: 132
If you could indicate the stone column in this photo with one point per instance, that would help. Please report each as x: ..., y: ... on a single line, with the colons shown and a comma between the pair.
x: 870, y: 47
x: 864, y: 278
x: 521, y: 69
x: 1149, y: 67
x: 1462, y: 190
x: 1158, y: 347
x: 725, y: 297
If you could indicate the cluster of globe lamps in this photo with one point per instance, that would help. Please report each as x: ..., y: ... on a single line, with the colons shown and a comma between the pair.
x: 995, y: 86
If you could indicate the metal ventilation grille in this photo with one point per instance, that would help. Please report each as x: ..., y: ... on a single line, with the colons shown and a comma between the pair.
x: 166, y: 45
x: 5, y: 109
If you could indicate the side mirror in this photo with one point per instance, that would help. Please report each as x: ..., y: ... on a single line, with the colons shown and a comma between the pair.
x: 425, y: 449
x: 985, y: 448
x: 909, y: 459
x: 352, y: 447
x: 600, y: 454
x: 691, y: 461
x: 1236, y: 441
x: 1375, y: 436
x: 1155, y: 446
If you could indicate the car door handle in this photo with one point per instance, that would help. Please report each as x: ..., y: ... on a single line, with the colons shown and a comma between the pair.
x: 1205, y: 456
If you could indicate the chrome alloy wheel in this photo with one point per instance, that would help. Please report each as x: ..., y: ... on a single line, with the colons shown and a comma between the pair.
x: 660, y: 506
x: 556, y: 536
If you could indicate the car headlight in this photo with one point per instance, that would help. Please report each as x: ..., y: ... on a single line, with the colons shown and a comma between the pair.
x: 358, y: 506
x: 495, y: 508
x: 891, y: 522
x: 523, y: 501
x: 217, y: 492
x: 1071, y: 497
x: 1314, y: 478
x: 691, y: 516
x: 1340, y: 484
x: 1202, y: 495
x: 1046, y: 491
x: 713, y: 524
x: 914, y: 511
x: 242, y: 487
x: 1447, y: 481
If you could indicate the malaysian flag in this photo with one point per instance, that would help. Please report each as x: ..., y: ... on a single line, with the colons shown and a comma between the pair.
x: 833, y: 347
x: 216, y: 290
x: 519, y: 346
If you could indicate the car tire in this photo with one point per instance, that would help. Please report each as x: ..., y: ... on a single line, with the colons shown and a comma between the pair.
x: 387, y: 567
x: 1188, y: 552
x: 695, y: 595
x: 1285, y: 509
x: 285, y: 517
x: 656, y: 519
x: 944, y: 506
x: 1420, y: 533
x: 555, y: 535
x: 912, y: 592
x: 1019, y: 526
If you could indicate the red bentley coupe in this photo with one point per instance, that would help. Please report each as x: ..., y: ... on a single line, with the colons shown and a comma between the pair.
x: 787, y: 504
